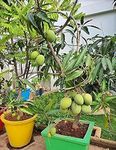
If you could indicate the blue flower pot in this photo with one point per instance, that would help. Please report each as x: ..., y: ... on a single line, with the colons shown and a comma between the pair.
x: 25, y: 94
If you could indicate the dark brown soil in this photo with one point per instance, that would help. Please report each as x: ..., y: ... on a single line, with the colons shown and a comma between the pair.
x: 17, y: 116
x: 66, y: 128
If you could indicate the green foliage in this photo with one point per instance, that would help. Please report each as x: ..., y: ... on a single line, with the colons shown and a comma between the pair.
x: 102, y: 50
x: 46, y: 106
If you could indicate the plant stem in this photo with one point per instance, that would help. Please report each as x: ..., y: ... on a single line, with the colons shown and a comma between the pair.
x: 56, y: 58
x: 76, y: 121
x: 27, y: 55
x: 78, y: 37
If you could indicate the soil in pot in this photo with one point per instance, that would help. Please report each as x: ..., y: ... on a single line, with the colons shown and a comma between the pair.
x: 18, y: 116
x: 66, y: 128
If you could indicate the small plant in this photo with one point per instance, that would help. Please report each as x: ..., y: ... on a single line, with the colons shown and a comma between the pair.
x: 74, y: 104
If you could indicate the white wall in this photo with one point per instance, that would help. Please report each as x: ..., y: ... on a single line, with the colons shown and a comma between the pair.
x: 103, y: 16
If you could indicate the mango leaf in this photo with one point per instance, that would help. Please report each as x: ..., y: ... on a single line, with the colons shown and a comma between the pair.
x: 96, y: 108
x: 95, y: 71
x: 73, y: 75
x: 66, y: 58
x: 32, y: 20
x: 65, y: 5
x: 49, y: 105
x: 80, y: 57
x: 5, y: 5
x: 43, y: 16
x: 94, y: 27
x: 114, y: 63
x: 88, y: 60
x: 70, y: 64
x: 104, y: 63
x: 76, y: 8
x: 27, y: 8
x: 101, y: 75
x: 109, y: 65
x: 29, y: 84
x: 85, y: 29
x: 82, y: 20
x: 109, y: 98
x: 79, y: 16
x: 4, y: 39
x: 27, y: 111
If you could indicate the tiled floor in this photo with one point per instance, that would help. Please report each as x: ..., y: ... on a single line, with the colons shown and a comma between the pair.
x: 36, y: 144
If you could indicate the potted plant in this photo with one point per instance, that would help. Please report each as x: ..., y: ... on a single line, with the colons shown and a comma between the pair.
x: 71, y: 134
x: 18, y: 124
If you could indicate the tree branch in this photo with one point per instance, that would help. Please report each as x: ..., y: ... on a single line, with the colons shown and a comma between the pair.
x: 27, y: 55
x: 68, y: 19
x: 56, y: 58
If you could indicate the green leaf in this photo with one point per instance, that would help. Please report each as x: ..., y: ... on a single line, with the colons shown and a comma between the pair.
x: 109, y: 65
x: 85, y: 29
x: 80, y: 57
x: 32, y: 20
x: 43, y: 16
x: 104, y: 63
x: 70, y: 64
x: 4, y: 39
x: 88, y: 60
x: 110, y: 98
x: 65, y: 5
x: 73, y: 75
x: 49, y: 105
x: 5, y: 5
x: 29, y: 84
x: 82, y: 20
x: 95, y: 71
x: 114, y: 63
x: 66, y: 58
x: 94, y: 27
x: 76, y: 8
x: 78, y: 16
x: 96, y: 108
x: 103, y: 85
x: 101, y: 75
x: 27, y: 111
x: 27, y: 8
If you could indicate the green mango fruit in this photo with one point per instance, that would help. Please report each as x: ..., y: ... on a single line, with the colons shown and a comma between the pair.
x: 86, y: 109
x: 87, y: 99
x: 34, y: 54
x: 65, y: 103
x: 76, y: 109
x: 50, y: 36
x: 40, y: 60
x: 79, y: 99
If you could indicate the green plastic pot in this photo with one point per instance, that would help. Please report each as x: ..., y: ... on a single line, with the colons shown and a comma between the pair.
x: 61, y: 142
